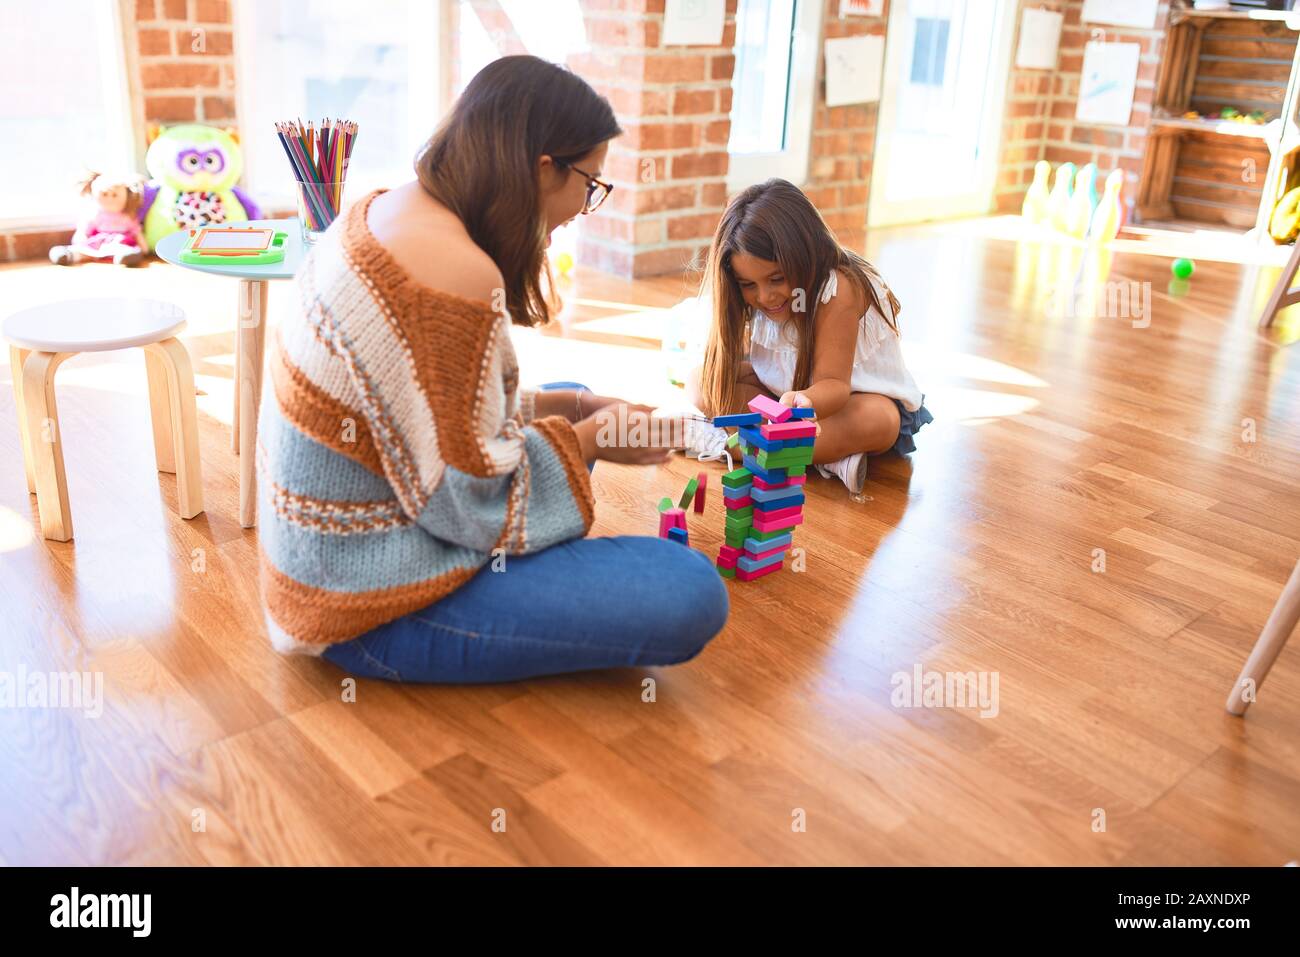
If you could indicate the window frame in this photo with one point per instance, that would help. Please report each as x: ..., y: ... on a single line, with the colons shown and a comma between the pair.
x: 111, y: 37
x: 791, y: 163
x: 428, y: 71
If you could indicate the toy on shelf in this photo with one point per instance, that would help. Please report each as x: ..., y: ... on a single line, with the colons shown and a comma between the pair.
x: 111, y: 230
x: 194, y: 170
x: 765, y: 497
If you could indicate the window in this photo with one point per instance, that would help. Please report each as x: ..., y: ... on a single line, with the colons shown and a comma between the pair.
x: 929, y: 51
x: 764, y: 37
x: 772, y: 90
x: 376, y: 63
x: 65, y: 107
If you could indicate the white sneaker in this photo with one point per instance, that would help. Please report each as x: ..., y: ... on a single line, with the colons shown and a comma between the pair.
x: 706, y: 442
x: 851, y: 470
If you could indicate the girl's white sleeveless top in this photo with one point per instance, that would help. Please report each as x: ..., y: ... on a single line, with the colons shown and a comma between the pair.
x: 877, y: 362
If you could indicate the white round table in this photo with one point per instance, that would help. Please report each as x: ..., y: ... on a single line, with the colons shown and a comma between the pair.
x: 250, y: 347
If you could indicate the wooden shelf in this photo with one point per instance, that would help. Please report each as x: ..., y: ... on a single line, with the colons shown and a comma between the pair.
x: 1258, y: 131
x: 1290, y: 17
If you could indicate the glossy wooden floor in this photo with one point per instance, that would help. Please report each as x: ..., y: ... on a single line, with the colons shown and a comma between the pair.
x: 1058, y: 432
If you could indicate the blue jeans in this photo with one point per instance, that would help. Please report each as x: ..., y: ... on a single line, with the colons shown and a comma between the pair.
x: 626, y: 601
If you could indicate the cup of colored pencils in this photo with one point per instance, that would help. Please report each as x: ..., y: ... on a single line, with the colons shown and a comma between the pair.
x: 319, y: 158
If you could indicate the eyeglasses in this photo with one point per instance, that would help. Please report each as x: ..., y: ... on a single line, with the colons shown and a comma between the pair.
x: 597, y: 189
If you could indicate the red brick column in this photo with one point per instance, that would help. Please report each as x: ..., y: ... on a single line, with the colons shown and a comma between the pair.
x: 670, y: 166
x: 185, y: 61
x: 843, y: 140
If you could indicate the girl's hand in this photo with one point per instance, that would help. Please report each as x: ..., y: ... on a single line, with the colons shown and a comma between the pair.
x: 625, y: 433
x: 797, y: 400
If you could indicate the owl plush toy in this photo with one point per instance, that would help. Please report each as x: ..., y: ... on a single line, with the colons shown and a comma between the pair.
x: 194, y: 169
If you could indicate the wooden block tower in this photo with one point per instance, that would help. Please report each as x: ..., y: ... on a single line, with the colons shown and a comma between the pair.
x: 764, y: 498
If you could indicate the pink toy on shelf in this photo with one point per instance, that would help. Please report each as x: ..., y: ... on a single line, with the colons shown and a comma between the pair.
x: 772, y: 409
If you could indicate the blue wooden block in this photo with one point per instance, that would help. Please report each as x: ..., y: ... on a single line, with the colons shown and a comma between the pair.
x: 776, y: 504
x: 738, y: 492
x: 752, y: 565
x: 777, y: 494
x: 744, y: 418
x: 756, y: 547
x: 799, y: 413
x: 771, y: 476
x: 678, y: 535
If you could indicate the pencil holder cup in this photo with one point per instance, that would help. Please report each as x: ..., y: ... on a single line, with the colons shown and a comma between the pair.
x: 318, y: 205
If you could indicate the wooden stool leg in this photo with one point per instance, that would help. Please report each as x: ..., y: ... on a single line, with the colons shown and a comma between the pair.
x: 160, y: 411
x: 183, y: 412
x: 1277, y: 629
x: 252, y: 333
x: 16, y: 359
x: 45, y: 441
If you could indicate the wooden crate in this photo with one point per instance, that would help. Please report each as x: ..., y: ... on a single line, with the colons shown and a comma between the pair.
x: 1215, y: 171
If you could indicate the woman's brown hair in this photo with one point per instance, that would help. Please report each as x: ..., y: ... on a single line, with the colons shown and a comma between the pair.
x: 481, y: 163
x: 775, y: 221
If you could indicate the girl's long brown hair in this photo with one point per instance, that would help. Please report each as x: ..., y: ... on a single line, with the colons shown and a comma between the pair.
x: 775, y: 221
x: 481, y: 163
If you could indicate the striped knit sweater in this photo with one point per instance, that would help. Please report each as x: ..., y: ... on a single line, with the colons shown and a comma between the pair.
x: 396, y: 451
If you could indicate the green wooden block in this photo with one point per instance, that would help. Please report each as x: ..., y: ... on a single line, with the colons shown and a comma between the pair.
x: 665, y: 504
x: 732, y: 440
x: 785, y: 458
x: 726, y: 572
x: 736, y: 539
x: 737, y: 478
x: 764, y: 536
x: 689, y: 494
x: 747, y: 512
x: 796, y: 469
x: 739, y: 524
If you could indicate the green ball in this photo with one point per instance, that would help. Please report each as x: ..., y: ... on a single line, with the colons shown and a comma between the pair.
x: 1183, y: 268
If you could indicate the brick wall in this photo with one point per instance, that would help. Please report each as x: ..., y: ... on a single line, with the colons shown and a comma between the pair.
x: 184, y: 61
x: 843, y: 141
x: 670, y: 166
x: 1040, y: 120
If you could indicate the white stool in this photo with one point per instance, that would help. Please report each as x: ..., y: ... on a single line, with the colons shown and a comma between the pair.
x: 40, y: 339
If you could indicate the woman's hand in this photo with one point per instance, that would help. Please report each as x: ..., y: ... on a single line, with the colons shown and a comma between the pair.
x: 627, y: 434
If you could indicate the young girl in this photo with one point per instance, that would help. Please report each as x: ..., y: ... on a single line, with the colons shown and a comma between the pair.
x: 822, y: 331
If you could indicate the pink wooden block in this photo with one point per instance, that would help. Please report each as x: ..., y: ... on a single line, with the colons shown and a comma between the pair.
x: 798, y: 429
x: 775, y: 525
x: 779, y: 513
x: 726, y: 562
x: 769, y: 407
x: 759, y: 483
x: 766, y: 570
x: 738, y: 502
x: 700, y: 491
x: 730, y: 551
x: 678, y: 517
x: 665, y: 522
x: 797, y: 480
